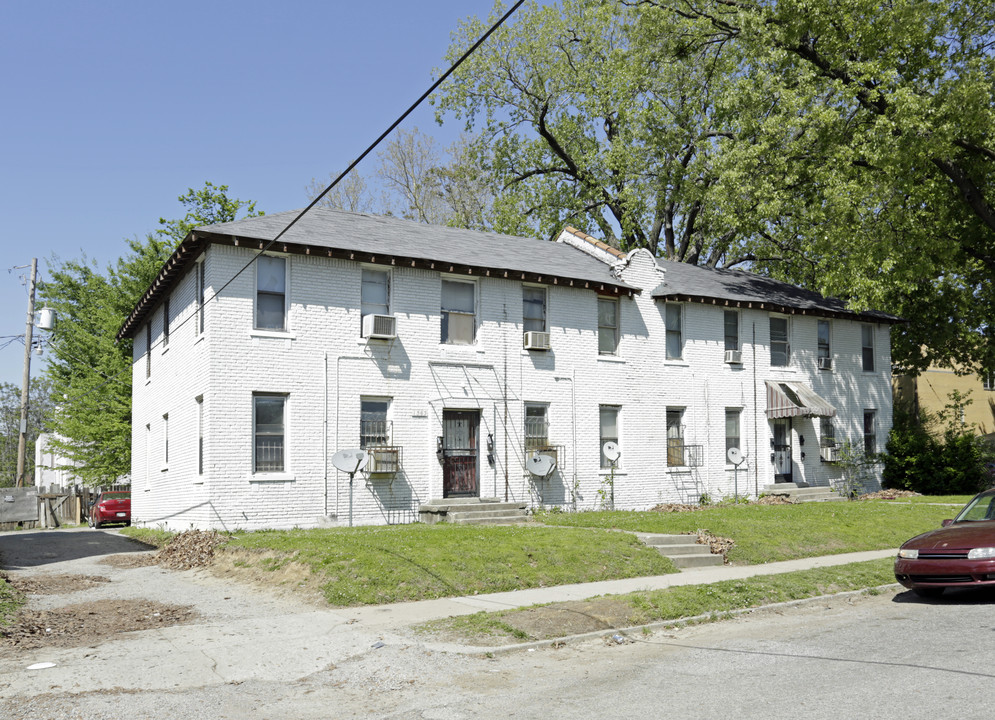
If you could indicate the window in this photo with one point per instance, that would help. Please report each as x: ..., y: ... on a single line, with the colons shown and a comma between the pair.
x: 271, y: 293
x: 533, y: 309
x: 458, y: 312
x: 780, y: 350
x: 609, y: 430
x: 200, y: 435
x: 675, y: 436
x: 675, y: 337
x: 867, y: 347
x: 165, y: 441
x: 148, y: 350
x: 827, y: 433
x: 165, y: 323
x: 732, y: 429
x: 536, y: 427
x: 201, y: 291
x: 825, y: 351
x: 269, y: 428
x: 988, y: 381
x: 374, y: 428
x: 607, y: 326
x: 732, y: 329
x: 870, y: 438
x: 375, y: 293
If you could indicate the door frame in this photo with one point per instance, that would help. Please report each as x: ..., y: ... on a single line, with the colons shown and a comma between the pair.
x: 785, y: 447
x: 460, y: 465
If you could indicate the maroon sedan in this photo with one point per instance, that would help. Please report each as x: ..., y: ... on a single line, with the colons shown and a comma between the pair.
x: 960, y: 554
x: 113, y: 506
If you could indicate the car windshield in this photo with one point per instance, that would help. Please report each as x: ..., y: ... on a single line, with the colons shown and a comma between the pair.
x: 980, y: 508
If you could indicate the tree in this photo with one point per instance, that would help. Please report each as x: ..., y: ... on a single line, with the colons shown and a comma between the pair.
x: 846, y: 147
x: 39, y: 414
x: 876, y: 123
x: 90, y: 371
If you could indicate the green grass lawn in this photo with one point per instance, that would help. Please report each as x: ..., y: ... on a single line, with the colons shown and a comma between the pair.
x: 769, y: 533
x: 373, y: 565
x: 960, y: 500
x: 689, y: 601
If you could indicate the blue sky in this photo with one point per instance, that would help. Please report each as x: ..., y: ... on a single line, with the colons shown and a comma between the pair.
x: 113, y: 109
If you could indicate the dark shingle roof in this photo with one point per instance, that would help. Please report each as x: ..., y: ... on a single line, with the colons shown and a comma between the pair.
x: 372, y: 238
x: 691, y: 282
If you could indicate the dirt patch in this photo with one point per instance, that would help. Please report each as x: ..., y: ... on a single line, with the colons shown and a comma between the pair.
x: 676, y: 507
x: 90, y: 623
x: 774, y: 500
x: 129, y: 560
x: 55, y: 584
x: 270, y: 570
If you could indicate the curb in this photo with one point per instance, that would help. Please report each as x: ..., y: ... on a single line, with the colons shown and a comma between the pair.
x: 657, y: 625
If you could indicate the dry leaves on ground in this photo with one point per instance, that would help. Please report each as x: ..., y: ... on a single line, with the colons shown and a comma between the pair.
x: 889, y: 495
x: 194, y: 548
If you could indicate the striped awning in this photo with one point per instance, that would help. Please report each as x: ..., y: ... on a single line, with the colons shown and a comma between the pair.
x: 790, y: 399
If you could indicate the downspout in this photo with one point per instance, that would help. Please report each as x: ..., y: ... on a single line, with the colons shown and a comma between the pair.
x: 324, y: 435
x: 756, y: 447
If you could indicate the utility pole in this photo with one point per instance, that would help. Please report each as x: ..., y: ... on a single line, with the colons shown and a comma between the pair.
x: 22, y: 439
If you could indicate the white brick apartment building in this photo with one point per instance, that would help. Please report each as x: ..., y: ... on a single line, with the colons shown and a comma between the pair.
x: 410, y: 340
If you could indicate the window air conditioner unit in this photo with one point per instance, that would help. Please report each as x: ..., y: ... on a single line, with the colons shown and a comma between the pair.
x: 384, y: 461
x: 830, y: 454
x: 380, y: 326
x: 825, y: 363
x: 734, y: 357
x: 534, y: 340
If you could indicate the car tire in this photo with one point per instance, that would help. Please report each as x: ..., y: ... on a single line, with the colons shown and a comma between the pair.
x: 928, y: 592
x: 95, y: 525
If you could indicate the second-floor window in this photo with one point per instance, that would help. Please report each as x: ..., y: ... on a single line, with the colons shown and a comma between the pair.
x: 165, y: 323
x: 533, y: 309
x: 867, y: 347
x: 607, y: 326
x: 675, y: 332
x: 201, y: 291
x: 731, y: 324
x: 780, y: 349
x: 988, y: 381
x: 271, y: 293
x: 459, y: 319
x: 825, y: 351
x: 375, y: 293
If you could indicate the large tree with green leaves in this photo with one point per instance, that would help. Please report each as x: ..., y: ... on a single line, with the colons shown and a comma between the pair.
x: 844, y: 146
x: 89, y: 370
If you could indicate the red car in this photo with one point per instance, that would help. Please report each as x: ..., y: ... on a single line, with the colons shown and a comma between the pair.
x: 960, y: 554
x: 113, y: 506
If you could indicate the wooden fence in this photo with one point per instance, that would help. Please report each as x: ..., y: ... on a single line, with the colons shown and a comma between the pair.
x: 47, y: 506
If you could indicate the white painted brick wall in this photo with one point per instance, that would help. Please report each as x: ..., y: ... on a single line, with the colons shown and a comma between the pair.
x: 325, y: 368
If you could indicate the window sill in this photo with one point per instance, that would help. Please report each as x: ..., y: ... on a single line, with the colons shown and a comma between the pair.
x: 610, y: 359
x: 278, y: 334
x: 271, y: 477
x: 676, y: 362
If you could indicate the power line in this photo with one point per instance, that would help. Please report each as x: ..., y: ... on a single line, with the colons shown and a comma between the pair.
x: 452, y: 68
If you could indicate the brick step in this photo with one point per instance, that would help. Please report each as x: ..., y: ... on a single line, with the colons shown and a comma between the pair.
x: 690, y: 562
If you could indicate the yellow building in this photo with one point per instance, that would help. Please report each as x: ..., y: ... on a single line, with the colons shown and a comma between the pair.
x: 931, y: 391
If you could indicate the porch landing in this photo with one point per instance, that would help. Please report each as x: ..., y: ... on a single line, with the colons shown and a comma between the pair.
x: 472, y: 511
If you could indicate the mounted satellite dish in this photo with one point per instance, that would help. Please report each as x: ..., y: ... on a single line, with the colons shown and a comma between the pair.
x: 611, y: 451
x: 735, y: 455
x: 350, y: 461
x: 541, y: 465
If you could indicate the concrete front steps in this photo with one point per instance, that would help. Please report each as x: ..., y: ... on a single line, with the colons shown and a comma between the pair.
x: 472, y: 511
x: 682, y: 550
x: 804, y: 493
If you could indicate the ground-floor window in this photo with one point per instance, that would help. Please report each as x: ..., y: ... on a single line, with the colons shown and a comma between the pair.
x: 870, y: 435
x: 269, y: 429
x: 609, y: 430
x: 675, y: 437
x: 732, y: 428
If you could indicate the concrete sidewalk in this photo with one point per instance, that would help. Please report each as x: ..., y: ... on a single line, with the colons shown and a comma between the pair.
x: 401, y: 614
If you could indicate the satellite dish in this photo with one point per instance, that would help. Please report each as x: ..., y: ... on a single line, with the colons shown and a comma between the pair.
x: 350, y: 461
x: 735, y: 455
x: 611, y: 451
x: 541, y: 465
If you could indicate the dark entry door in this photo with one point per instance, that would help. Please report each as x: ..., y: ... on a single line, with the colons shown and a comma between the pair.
x: 782, y: 450
x: 459, y: 453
